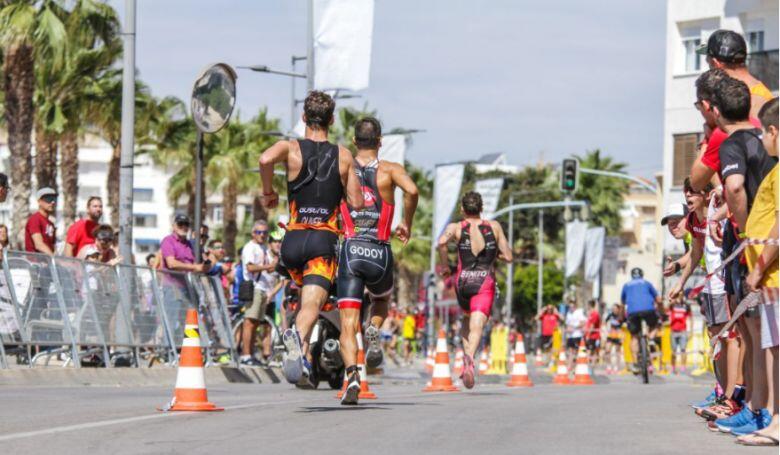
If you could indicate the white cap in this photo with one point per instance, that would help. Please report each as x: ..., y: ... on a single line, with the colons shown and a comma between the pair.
x: 676, y: 210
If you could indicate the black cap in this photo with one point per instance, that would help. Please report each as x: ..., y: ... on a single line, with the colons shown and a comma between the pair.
x: 726, y: 46
x: 182, y: 219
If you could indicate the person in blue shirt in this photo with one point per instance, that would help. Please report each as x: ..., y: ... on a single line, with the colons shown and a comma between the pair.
x: 640, y: 298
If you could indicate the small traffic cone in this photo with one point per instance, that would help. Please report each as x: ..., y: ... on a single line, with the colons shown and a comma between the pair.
x: 581, y: 370
x: 483, y: 363
x: 562, y: 375
x: 365, y: 393
x: 539, y: 360
x: 429, y: 362
x: 458, y: 368
x: 441, y: 381
x: 190, y: 392
x: 519, y: 368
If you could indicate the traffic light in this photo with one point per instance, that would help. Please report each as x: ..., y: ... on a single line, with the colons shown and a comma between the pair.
x: 569, y: 171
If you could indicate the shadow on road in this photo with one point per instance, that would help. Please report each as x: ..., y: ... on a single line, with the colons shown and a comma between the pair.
x: 311, y: 409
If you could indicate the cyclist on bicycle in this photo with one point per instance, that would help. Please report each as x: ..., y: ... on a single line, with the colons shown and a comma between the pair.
x: 639, y: 298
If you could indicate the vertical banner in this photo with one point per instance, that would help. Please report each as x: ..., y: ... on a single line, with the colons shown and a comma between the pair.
x: 394, y: 150
x: 609, y: 267
x: 342, y: 32
x: 446, y: 190
x: 594, y: 252
x: 490, y: 190
x: 575, y: 245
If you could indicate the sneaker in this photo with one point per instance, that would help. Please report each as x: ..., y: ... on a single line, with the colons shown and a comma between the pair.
x: 739, y: 419
x: 292, y: 365
x: 350, y: 397
x: 758, y: 421
x: 706, y: 402
x: 250, y: 362
x: 724, y: 407
x: 374, y: 354
x: 468, y: 372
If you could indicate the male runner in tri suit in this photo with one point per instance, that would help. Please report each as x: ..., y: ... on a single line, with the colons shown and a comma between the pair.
x: 319, y: 176
x: 480, y: 242
x: 366, y: 260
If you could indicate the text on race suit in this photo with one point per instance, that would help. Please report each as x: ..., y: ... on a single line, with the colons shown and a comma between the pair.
x: 366, y: 252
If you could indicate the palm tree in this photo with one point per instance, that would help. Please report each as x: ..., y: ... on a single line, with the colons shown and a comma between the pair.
x: 604, y: 194
x: 28, y: 29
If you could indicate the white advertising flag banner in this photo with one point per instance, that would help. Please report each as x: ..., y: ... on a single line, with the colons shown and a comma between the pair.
x: 490, y: 190
x: 394, y: 149
x: 594, y: 252
x: 446, y: 190
x: 343, y: 32
x: 575, y: 245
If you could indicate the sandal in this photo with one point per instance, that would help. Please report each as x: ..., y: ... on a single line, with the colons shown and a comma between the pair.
x: 757, y: 440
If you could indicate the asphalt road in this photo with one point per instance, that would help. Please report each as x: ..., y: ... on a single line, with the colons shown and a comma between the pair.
x: 620, y: 417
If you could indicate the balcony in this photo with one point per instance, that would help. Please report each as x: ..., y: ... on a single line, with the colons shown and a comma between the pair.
x: 763, y: 65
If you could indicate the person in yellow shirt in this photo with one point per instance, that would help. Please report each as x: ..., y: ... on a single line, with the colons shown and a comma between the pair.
x: 408, y: 334
x: 763, y: 266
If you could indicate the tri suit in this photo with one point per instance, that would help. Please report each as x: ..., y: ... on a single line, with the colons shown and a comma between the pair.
x: 366, y: 260
x: 309, y: 247
x: 475, y: 281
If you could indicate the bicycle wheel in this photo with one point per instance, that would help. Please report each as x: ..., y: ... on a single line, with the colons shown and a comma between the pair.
x: 644, y: 360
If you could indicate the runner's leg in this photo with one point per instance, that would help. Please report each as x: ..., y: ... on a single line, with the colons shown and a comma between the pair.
x: 312, y: 299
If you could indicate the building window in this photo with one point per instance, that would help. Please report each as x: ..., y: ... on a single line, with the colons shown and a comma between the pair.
x: 217, y: 214
x: 685, y: 152
x: 143, y: 194
x: 692, y: 59
x: 755, y: 41
x: 145, y: 220
x: 146, y: 246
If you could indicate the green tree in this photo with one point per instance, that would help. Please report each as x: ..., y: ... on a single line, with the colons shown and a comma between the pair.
x: 525, y: 289
x: 605, y: 194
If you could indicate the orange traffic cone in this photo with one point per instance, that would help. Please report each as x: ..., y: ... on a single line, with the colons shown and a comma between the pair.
x: 483, y: 363
x: 581, y: 370
x: 429, y: 362
x: 562, y: 375
x: 539, y: 360
x: 519, y: 368
x: 365, y: 393
x: 190, y: 392
x: 441, y: 380
x: 458, y: 368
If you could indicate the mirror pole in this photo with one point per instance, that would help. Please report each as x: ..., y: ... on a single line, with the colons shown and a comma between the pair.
x: 198, y: 196
x: 310, y: 49
x: 127, y: 139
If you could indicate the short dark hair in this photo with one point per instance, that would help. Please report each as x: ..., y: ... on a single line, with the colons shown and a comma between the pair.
x: 213, y: 242
x: 732, y: 98
x: 93, y: 198
x: 471, y: 203
x: 318, y: 108
x: 150, y: 256
x: 707, y: 83
x: 368, y: 132
x: 3, y: 180
x: 768, y: 114
x: 688, y: 187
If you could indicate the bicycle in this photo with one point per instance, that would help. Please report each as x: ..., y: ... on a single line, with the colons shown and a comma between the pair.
x: 237, y: 322
x: 644, y: 354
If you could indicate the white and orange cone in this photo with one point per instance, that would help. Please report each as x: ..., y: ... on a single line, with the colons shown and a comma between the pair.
x: 483, y: 363
x: 519, y: 376
x: 441, y: 381
x: 562, y: 374
x: 365, y: 393
x: 458, y: 368
x: 190, y: 392
x: 429, y: 362
x: 581, y: 369
x: 539, y: 360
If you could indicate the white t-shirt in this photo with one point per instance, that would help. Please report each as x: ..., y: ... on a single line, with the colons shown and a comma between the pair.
x: 254, y: 253
x: 575, y: 321
x: 712, y: 258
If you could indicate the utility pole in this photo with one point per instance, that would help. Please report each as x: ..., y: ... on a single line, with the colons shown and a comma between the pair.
x: 540, y: 266
x: 128, y: 132
x: 510, y: 269
x: 310, y: 48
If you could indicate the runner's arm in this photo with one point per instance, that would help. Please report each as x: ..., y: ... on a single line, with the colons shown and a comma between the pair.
x: 353, y: 193
x: 274, y: 154
x: 402, y: 180
x: 504, y: 250
x: 444, y: 240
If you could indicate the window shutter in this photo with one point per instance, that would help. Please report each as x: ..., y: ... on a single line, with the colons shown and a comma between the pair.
x: 685, y: 152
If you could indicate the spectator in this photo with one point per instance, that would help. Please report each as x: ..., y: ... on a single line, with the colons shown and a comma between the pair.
x: 81, y: 233
x: 204, y: 239
x: 151, y: 260
x: 256, y: 260
x: 679, y: 315
x: 3, y: 187
x: 216, y: 255
x: 675, y: 221
x: 177, y: 252
x: 104, y: 239
x: 575, y: 322
x: 40, y: 234
x: 4, y: 240
x: 593, y: 331
x: 549, y: 319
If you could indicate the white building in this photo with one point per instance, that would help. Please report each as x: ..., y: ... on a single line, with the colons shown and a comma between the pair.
x: 689, y: 23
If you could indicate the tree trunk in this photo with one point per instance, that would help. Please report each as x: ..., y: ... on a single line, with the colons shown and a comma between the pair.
x: 70, y: 176
x: 258, y: 211
x: 18, y: 85
x: 113, y: 182
x: 45, y: 159
x: 407, y: 292
x: 230, y: 226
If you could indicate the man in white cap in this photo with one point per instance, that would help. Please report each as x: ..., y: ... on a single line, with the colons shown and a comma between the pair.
x: 674, y: 220
x: 40, y: 234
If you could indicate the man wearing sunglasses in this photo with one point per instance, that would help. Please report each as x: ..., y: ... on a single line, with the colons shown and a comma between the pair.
x: 177, y: 251
x: 257, y: 264
x: 40, y: 234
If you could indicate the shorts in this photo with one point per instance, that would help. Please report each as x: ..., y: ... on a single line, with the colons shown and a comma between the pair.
x: 545, y: 341
x: 634, y: 321
x: 592, y: 344
x: 256, y: 309
x: 310, y: 257
x: 363, y: 265
x: 385, y: 336
x: 475, y: 294
x: 573, y: 343
x: 679, y: 341
x: 770, y: 320
x: 716, y: 310
x: 615, y: 341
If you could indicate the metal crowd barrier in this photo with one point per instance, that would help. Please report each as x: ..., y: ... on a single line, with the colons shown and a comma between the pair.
x: 87, y: 312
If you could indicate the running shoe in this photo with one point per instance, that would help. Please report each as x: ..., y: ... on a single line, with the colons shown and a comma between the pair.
x: 306, y: 381
x: 250, y: 362
x: 467, y: 376
x: 724, y: 407
x: 350, y: 397
x: 292, y: 365
x: 758, y: 421
x: 743, y: 417
x: 374, y: 355
x: 706, y: 402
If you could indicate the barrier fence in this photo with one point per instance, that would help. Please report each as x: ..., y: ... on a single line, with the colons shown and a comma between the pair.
x: 81, y: 311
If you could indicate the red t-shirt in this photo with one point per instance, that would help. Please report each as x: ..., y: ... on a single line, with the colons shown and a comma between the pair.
x: 80, y: 234
x: 39, y: 224
x: 711, y: 156
x: 678, y: 317
x: 594, y: 325
x: 549, y: 323
x: 697, y: 228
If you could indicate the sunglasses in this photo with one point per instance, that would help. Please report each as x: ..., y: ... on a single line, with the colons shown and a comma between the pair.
x: 217, y: 247
x: 183, y: 225
x: 261, y: 232
x: 50, y: 199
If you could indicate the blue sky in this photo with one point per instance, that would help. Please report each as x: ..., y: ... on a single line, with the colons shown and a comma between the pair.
x: 527, y: 78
